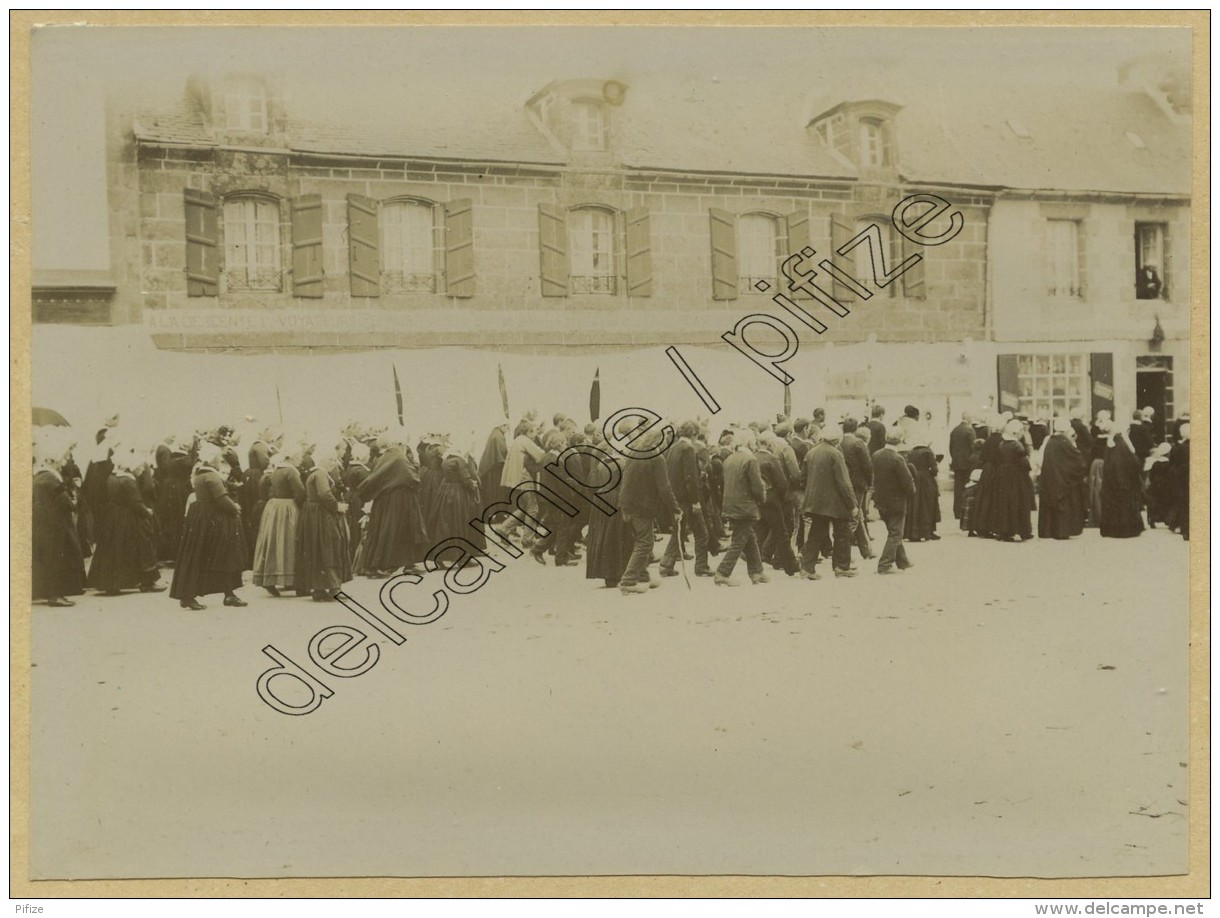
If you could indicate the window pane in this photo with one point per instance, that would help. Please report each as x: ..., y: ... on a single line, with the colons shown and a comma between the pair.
x: 757, y: 250
x: 408, y: 252
x: 592, y: 244
x: 1063, y: 267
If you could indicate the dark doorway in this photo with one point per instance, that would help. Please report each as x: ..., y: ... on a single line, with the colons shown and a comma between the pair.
x: 1154, y: 389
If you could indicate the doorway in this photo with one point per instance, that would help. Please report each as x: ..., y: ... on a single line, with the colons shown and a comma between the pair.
x: 1154, y: 389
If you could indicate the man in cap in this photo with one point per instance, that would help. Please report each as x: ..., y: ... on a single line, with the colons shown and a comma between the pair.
x: 893, y: 489
x: 830, y: 503
x: 684, y: 478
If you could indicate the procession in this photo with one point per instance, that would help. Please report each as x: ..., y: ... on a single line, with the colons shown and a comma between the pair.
x: 303, y: 516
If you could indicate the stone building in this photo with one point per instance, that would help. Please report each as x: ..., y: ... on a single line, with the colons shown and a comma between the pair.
x: 610, y: 215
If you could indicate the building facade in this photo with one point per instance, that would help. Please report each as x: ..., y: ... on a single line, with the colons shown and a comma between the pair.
x: 582, y: 219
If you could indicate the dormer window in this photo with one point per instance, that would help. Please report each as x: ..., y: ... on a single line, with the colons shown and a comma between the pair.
x: 588, y: 126
x: 872, y: 143
x: 576, y: 116
x: 246, y: 105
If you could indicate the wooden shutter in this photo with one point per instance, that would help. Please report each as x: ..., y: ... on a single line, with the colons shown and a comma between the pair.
x: 553, y: 246
x: 913, y: 284
x: 202, y: 243
x: 307, y: 245
x: 459, y: 248
x: 1101, y: 376
x: 798, y: 238
x: 1167, y: 266
x: 363, y: 240
x: 841, y: 233
x: 1008, y: 384
x: 639, y: 253
x: 724, y: 255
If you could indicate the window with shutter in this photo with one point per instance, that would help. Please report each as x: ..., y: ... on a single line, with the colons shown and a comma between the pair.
x: 914, y: 285
x: 307, y: 246
x: 639, y: 253
x: 459, y: 248
x: 252, y: 244
x: 409, y: 250
x: 759, y: 251
x: 870, y: 263
x: 799, y: 237
x: 553, y: 250
x: 841, y: 233
x: 724, y: 254
x: 363, y: 246
x: 591, y: 236
x: 202, y: 244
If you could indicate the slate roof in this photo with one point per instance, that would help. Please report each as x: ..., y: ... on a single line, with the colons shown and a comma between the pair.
x: 948, y: 134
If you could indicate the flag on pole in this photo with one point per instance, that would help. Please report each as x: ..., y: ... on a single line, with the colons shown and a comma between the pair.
x: 595, y: 396
x: 503, y: 392
x: 397, y: 393
x: 279, y: 404
x: 787, y: 401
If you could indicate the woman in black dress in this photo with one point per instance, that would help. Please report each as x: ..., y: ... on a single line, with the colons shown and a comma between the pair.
x: 213, y: 551
x: 175, y: 458
x: 1121, y: 490
x: 1013, y: 497
x: 394, y: 536
x: 457, y: 500
x: 923, y: 510
x: 323, y: 561
x: 985, y: 491
x: 1103, y: 428
x: 127, y: 557
x: 1060, y: 497
x: 58, y: 566
x: 353, y: 476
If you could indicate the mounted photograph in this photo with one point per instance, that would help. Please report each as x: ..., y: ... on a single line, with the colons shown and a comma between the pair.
x: 610, y: 451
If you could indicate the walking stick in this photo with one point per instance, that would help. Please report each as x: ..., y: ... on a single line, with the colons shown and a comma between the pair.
x: 681, y: 547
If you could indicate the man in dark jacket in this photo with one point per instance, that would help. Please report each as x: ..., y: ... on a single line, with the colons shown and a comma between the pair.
x: 684, y: 477
x: 744, y: 494
x: 644, y: 493
x: 876, y: 429
x: 860, y: 473
x: 830, y: 503
x: 893, y: 488
x: 775, y: 530
x: 961, y: 441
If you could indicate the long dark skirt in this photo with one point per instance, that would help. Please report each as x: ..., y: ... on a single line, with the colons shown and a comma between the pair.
x: 170, y: 510
x: 212, y: 555
x: 1120, y: 512
x: 323, y: 561
x: 1094, y: 486
x: 1060, y: 516
x: 395, y: 536
x: 984, y: 502
x: 609, y: 545
x: 58, y: 565
x: 923, y: 510
x: 1012, y: 503
x: 127, y: 557
x: 453, y: 510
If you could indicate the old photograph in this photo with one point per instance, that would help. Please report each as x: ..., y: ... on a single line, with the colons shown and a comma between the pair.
x: 582, y: 451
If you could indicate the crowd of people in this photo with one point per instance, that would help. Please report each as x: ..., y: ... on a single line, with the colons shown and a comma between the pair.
x: 306, y: 518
